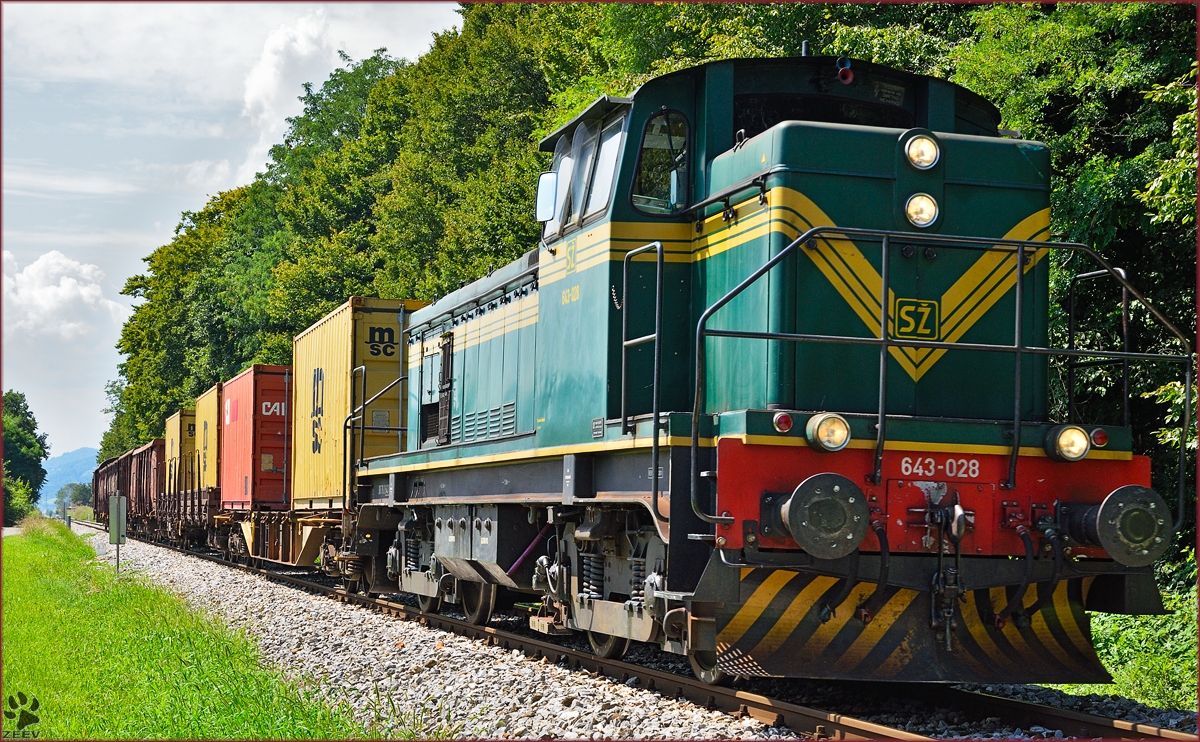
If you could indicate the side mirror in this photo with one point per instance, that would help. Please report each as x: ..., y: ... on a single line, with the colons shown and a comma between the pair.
x: 546, y: 192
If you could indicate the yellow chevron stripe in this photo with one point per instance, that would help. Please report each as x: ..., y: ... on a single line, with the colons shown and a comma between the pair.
x: 1066, y: 619
x: 754, y: 607
x: 827, y: 631
x: 874, y: 631
x: 981, y: 633
x: 792, y: 615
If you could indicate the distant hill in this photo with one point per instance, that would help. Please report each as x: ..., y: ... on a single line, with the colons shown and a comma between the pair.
x: 72, y: 466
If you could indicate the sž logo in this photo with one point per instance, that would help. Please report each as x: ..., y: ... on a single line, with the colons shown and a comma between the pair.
x: 381, y: 341
x: 21, y: 709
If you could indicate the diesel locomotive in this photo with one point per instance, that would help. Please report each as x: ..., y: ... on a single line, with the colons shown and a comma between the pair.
x: 772, y: 392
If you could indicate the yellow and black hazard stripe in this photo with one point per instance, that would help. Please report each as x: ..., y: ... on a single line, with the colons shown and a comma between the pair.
x: 777, y: 630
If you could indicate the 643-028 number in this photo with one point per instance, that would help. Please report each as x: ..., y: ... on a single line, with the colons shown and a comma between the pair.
x: 930, y: 467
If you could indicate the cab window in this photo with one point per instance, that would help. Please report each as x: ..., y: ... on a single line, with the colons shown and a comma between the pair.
x: 660, y: 185
x: 606, y: 167
x: 564, y: 165
x: 586, y: 163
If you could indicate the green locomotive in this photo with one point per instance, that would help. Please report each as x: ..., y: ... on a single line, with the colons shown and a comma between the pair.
x: 773, y: 393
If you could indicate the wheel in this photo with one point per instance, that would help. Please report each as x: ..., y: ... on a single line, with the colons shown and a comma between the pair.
x: 478, y: 600
x: 429, y: 603
x: 704, y: 665
x: 607, y: 646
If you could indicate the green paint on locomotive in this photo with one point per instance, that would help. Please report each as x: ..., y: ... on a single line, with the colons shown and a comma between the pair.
x: 536, y: 355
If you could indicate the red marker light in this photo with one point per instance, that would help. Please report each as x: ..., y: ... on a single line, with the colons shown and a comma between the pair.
x: 1099, y: 438
x: 782, y: 422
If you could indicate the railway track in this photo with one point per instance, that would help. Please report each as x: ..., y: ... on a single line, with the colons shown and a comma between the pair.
x: 806, y: 721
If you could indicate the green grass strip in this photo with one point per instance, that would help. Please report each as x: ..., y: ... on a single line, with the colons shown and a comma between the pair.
x: 110, y: 656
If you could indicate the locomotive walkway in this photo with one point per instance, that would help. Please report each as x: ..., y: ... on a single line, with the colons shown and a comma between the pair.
x: 391, y: 659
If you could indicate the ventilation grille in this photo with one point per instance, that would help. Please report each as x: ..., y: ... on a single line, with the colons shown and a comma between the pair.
x: 508, y: 419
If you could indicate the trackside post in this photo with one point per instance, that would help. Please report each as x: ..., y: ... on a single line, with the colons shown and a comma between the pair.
x: 116, y: 524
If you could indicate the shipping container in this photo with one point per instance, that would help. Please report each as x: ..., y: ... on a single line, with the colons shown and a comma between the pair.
x: 354, y: 353
x: 208, y: 438
x: 146, y: 474
x: 180, y: 435
x: 256, y: 439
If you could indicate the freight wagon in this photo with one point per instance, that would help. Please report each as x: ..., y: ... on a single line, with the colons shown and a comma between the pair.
x: 771, y: 392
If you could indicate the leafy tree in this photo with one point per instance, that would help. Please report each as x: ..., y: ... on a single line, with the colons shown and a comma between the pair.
x: 74, y: 493
x: 18, y: 498
x: 24, y: 447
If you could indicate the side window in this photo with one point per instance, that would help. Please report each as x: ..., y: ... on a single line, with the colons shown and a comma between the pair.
x: 606, y: 167
x: 660, y: 185
x: 583, y: 147
x: 564, y: 165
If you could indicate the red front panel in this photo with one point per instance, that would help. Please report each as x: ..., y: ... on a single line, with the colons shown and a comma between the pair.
x: 254, y: 439
x: 745, y: 471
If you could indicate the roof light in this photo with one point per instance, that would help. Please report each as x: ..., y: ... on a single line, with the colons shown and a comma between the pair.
x: 923, y: 153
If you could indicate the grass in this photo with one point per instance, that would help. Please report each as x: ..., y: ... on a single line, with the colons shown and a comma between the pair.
x: 81, y: 512
x: 111, y: 656
x: 1152, y: 658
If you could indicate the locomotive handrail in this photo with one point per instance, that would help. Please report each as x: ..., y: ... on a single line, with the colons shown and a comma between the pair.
x: 884, y: 341
x: 627, y: 343
x: 359, y: 414
x: 1072, y: 364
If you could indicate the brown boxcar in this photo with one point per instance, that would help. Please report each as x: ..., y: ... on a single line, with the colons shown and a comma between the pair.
x: 110, y: 479
x: 147, y: 469
x: 255, y: 439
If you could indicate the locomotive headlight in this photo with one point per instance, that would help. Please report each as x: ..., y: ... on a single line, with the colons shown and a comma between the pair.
x: 1067, y: 443
x: 827, y: 432
x: 922, y: 152
x: 921, y: 209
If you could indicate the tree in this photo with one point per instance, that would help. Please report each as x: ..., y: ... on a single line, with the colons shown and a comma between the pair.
x: 17, y: 498
x: 24, y: 447
x: 74, y: 494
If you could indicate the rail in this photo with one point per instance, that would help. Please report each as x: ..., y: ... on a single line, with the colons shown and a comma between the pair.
x: 885, y: 342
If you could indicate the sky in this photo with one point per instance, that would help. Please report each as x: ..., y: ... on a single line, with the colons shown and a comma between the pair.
x: 117, y: 117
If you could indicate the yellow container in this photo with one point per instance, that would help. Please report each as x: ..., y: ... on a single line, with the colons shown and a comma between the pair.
x: 363, y: 336
x: 180, y: 435
x: 208, y: 437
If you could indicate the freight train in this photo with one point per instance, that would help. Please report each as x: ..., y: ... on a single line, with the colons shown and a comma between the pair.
x: 772, y: 392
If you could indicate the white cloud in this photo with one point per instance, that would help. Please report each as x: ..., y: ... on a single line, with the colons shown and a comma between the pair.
x: 57, y: 296
x: 28, y: 179
x: 291, y: 55
x: 209, y: 175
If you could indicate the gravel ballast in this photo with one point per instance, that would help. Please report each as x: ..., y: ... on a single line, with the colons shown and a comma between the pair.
x: 398, y: 673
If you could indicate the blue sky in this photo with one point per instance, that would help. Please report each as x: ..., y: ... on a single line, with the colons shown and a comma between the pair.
x: 117, y: 117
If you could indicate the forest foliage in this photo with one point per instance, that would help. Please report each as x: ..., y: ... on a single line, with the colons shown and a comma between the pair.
x: 25, y: 448
x: 408, y: 178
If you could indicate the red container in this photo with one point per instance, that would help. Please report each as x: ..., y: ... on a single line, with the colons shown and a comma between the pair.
x: 147, y: 467
x: 255, y: 443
